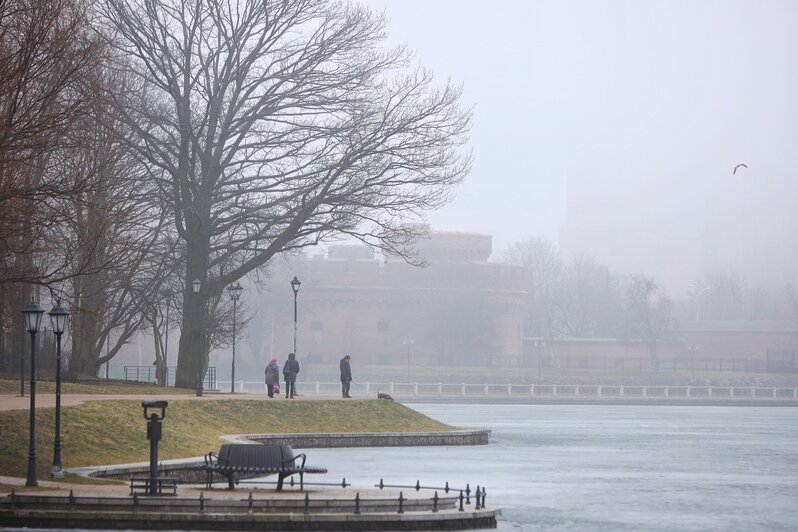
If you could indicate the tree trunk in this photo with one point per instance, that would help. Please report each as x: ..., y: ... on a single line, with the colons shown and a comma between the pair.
x: 193, y: 349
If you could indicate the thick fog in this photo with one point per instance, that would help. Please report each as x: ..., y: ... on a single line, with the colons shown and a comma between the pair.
x: 613, y: 128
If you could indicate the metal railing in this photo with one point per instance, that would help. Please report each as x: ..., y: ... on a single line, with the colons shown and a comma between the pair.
x: 149, y: 374
x: 201, y: 504
x: 518, y: 391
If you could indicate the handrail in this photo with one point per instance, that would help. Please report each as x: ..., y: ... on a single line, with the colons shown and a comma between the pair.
x: 549, y: 390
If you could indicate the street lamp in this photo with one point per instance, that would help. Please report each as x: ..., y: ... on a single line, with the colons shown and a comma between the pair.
x: 698, y: 303
x: 58, y: 317
x: 295, y: 287
x: 540, y: 344
x: 408, y: 344
x: 235, y: 293
x: 196, y: 284
x: 33, y: 319
x: 692, y: 349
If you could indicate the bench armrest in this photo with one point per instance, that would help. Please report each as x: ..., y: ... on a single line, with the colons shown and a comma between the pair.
x: 300, y: 455
x: 211, y: 458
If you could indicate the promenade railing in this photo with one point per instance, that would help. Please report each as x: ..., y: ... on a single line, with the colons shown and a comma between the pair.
x: 487, y: 390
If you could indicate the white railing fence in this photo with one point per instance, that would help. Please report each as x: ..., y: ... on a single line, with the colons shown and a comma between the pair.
x: 596, y: 391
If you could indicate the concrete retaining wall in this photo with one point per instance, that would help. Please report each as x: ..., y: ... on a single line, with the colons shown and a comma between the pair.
x: 375, y: 439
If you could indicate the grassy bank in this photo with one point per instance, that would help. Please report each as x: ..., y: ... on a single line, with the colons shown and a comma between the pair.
x: 114, y: 432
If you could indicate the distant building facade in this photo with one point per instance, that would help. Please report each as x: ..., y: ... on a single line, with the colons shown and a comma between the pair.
x: 705, y: 345
x: 458, y: 310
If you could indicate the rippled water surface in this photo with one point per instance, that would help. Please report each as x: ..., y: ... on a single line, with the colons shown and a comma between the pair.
x: 554, y: 467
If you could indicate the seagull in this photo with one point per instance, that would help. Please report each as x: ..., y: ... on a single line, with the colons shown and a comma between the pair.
x: 738, y: 166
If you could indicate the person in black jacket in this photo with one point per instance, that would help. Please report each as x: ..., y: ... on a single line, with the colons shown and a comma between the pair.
x: 290, y: 370
x: 346, y: 377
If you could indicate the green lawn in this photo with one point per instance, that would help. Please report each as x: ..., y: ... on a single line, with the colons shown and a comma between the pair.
x: 113, y: 432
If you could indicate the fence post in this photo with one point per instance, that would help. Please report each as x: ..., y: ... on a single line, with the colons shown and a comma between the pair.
x: 598, y: 391
x: 576, y: 390
x: 554, y: 390
x: 307, y: 502
x: 462, y: 388
x: 509, y: 389
x: 461, y: 501
x: 435, y: 502
x: 532, y: 390
x: 249, y: 503
x: 709, y: 392
x: 795, y: 393
x: 357, y: 502
x: 401, y: 501
x: 440, y: 388
x: 689, y: 391
x: 317, y: 387
x: 367, y: 388
x: 486, y: 389
x: 415, y: 388
x: 391, y: 388
x: 667, y: 392
x: 645, y: 391
x: 478, y: 506
x: 620, y: 390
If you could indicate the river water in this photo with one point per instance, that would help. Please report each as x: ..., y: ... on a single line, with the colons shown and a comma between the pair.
x: 593, y: 468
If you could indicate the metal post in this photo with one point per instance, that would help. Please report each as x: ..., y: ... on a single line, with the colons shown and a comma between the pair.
x: 57, y: 472
x: 233, y: 366
x: 296, y: 290
x: 22, y: 373
x: 31, y: 481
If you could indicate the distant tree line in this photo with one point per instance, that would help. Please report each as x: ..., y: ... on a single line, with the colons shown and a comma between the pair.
x: 580, y: 297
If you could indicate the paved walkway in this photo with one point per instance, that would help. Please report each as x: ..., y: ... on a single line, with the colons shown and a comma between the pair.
x: 47, y: 400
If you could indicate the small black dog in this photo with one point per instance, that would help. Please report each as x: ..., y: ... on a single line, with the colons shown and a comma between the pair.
x: 387, y: 397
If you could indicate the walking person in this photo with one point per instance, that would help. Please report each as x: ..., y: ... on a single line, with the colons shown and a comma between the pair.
x: 346, y: 377
x: 290, y: 370
x: 272, y: 377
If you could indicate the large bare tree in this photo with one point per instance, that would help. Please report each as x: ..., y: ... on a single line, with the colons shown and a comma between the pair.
x: 279, y: 124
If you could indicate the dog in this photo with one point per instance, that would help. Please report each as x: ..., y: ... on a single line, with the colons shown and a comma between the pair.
x: 382, y: 395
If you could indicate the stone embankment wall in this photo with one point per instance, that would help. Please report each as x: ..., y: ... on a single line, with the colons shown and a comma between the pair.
x: 375, y: 439
x: 194, y: 471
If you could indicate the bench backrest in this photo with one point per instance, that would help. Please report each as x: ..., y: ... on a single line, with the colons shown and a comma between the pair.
x: 255, y: 456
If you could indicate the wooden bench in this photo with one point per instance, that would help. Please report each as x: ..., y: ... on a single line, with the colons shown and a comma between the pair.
x: 237, y: 459
x: 161, y: 484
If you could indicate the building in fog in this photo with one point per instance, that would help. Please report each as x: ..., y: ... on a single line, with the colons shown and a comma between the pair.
x: 459, y: 310
x: 727, y: 346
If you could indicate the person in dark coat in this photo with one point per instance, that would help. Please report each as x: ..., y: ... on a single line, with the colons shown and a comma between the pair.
x: 272, y: 377
x: 346, y: 377
x: 290, y: 370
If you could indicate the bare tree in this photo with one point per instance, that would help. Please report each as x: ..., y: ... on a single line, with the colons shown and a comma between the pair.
x: 275, y: 125
x: 544, y: 270
x: 650, y: 312
x: 589, y: 301
x: 45, y: 49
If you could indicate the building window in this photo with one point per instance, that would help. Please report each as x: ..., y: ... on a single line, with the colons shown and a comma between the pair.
x: 382, y: 325
x: 316, y: 325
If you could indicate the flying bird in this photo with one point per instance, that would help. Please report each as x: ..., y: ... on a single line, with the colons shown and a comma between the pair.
x: 738, y: 166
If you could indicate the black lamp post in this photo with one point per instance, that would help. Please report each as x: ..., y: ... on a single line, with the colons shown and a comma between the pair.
x: 58, y: 317
x: 295, y: 287
x: 33, y: 320
x: 196, y: 284
x: 235, y: 293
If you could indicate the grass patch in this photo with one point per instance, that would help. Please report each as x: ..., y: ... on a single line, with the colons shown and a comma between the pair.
x: 114, y: 432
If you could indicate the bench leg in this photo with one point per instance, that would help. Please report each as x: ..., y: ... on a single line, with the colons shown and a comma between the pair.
x: 280, y: 477
x: 231, y: 481
x: 302, y: 481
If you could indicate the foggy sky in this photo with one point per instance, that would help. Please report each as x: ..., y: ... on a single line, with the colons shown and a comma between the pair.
x: 613, y: 127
